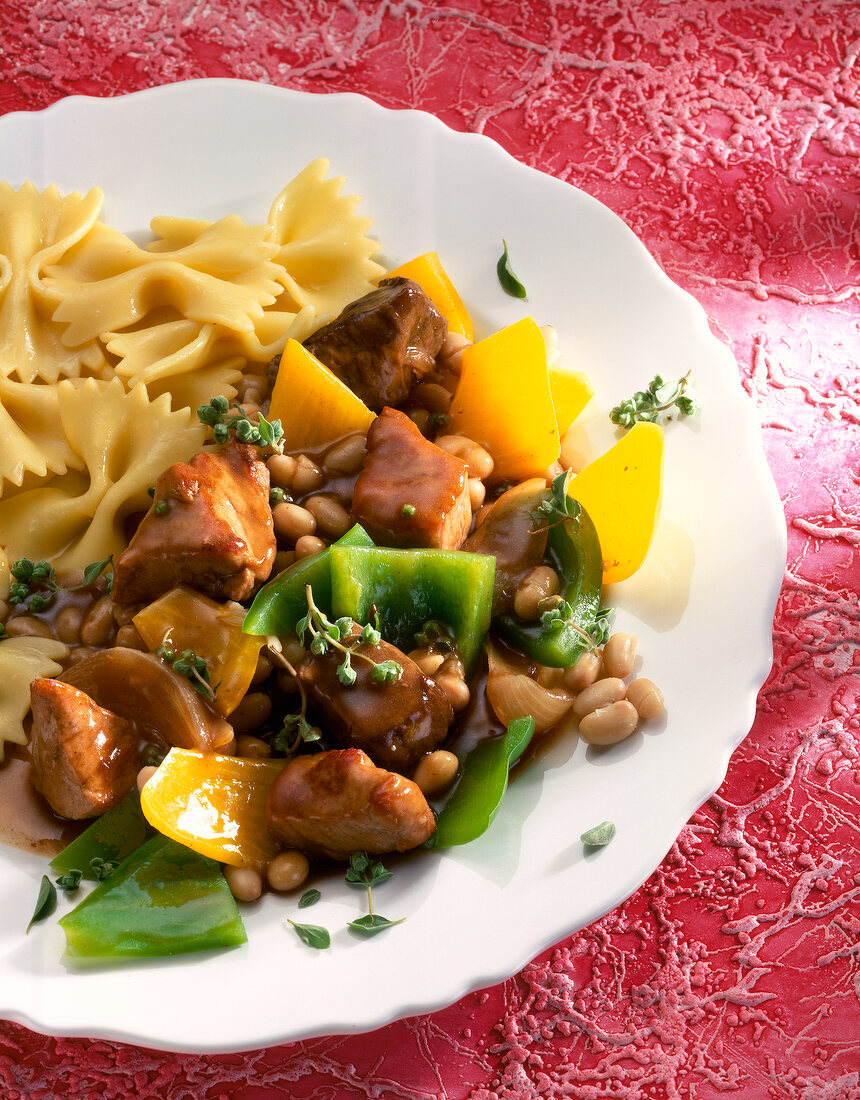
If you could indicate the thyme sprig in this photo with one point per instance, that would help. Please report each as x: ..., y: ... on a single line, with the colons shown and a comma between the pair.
x: 296, y: 729
x: 326, y: 635
x: 37, y: 581
x: 188, y: 664
x: 558, y: 506
x: 217, y: 416
x: 659, y: 399
x: 557, y: 613
x: 364, y: 872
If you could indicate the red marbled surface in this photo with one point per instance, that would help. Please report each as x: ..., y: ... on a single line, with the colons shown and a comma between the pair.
x: 727, y: 134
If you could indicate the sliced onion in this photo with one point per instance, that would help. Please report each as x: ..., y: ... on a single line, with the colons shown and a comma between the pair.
x: 513, y: 695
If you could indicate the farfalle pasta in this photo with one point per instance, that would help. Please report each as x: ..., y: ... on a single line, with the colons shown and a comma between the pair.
x: 38, y: 230
x: 21, y: 661
x: 121, y: 441
x: 183, y: 317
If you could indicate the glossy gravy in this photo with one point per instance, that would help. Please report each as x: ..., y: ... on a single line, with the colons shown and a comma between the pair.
x: 26, y: 820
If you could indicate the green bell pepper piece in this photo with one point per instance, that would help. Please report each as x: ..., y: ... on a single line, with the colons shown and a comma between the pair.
x: 110, y: 838
x: 483, y: 781
x: 163, y: 899
x: 573, y: 551
x: 280, y: 604
x: 408, y: 588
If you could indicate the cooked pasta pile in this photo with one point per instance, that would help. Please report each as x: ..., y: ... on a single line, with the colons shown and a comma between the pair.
x: 108, y: 348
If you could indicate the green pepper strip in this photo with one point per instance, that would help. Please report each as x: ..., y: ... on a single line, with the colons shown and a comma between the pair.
x: 111, y: 838
x: 407, y: 588
x: 163, y: 900
x: 573, y: 551
x: 280, y: 604
x: 483, y: 781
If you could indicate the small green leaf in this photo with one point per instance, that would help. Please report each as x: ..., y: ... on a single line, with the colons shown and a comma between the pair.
x: 312, y: 934
x: 309, y: 897
x: 22, y: 570
x: 362, y: 872
x: 345, y: 672
x: 94, y: 570
x: 103, y: 868
x: 598, y: 836
x: 70, y: 881
x: 39, y: 603
x: 386, y: 672
x: 510, y: 283
x: 358, y: 864
x: 46, y: 902
x: 372, y: 923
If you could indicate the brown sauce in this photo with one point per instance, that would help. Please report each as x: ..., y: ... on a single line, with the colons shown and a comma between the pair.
x: 26, y: 820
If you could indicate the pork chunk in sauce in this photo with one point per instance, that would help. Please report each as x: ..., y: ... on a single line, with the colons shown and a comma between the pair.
x: 396, y: 723
x: 381, y: 344
x: 335, y: 803
x: 411, y: 493
x: 210, y: 527
x: 84, y: 759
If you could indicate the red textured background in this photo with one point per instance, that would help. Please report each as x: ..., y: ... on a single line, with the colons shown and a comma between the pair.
x: 727, y: 134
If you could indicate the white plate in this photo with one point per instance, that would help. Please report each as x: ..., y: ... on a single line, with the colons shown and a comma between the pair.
x: 477, y: 914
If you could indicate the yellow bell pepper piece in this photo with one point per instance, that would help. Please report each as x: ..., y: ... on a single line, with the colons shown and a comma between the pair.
x: 312, y: 404
x: 571, y: 391
x: 621, y: 491
x: 215, y: 805
x: 428, y: 273
x: 503, y: 401
x: 184, y: 619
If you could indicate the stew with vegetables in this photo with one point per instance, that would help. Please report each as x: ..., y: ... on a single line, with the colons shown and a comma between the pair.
x: 338, y: 625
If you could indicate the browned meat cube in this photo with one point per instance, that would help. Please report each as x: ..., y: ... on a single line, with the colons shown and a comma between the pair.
x: 394, y: 723
x: 85, y: 759
x: 335, y: 803
x: 382, y: 343
x: 410, y: 492
x: 210, y: 527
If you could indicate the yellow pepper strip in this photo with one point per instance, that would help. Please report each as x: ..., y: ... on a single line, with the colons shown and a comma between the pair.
x: 503, y: 401
x: 184, y: 619
x: 571, y: 391
x: 621, y: 491
x: 312, y: 404
x: 215, y: 805
x: 428, y: 273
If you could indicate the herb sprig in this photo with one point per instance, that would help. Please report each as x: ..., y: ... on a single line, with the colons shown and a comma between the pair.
x: 296, y: 729
x: 653, y: 404
x: 37, y: 581
x: 364, y: 872
x: 188, y: 664
x: 217, y: 416
x: 326, y: 635
x: 557, y: 613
